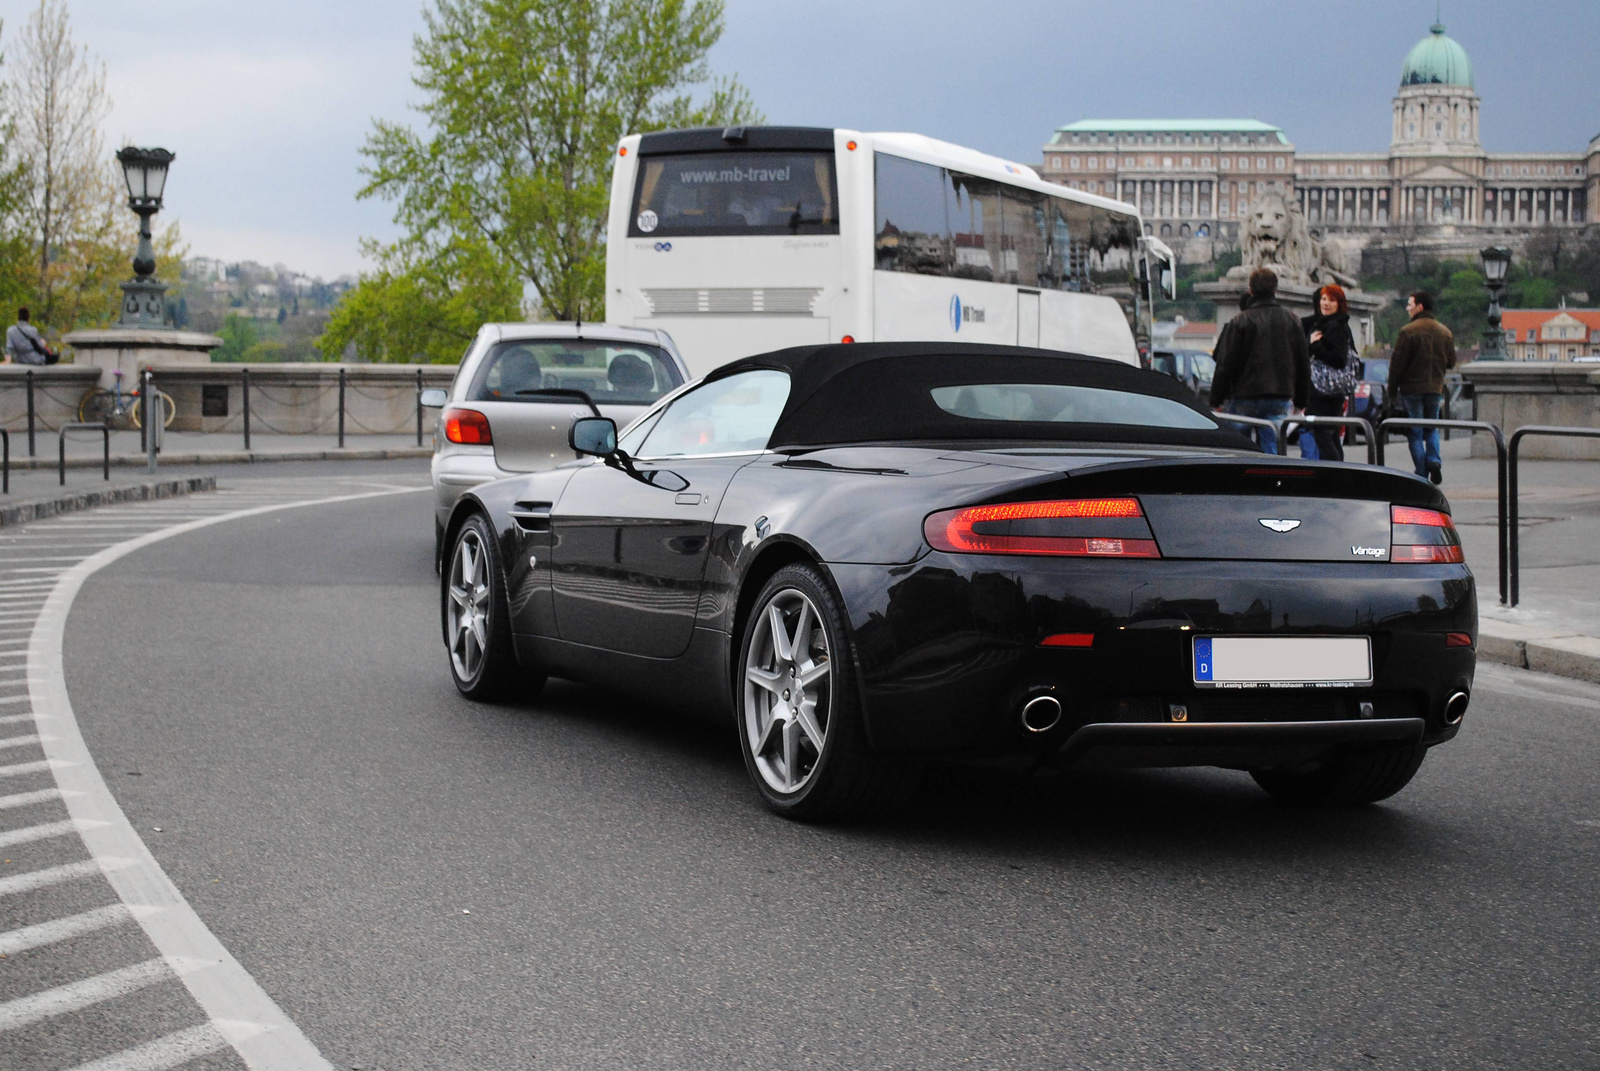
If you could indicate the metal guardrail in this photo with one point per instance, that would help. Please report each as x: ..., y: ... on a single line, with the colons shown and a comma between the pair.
x: 1340, y: 422
x: 1500, y: 476
x: 61, y: 449
x: 1509, y: 500
x: 5, y: 462
x: 1230, y: 418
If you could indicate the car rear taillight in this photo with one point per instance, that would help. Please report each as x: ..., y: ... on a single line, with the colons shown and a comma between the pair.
x: 467, y: 426
x: 1423, y: 535
x: 995, y: 529
x: 1363, y: 390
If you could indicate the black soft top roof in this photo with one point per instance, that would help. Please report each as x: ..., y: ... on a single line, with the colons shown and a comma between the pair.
x: 881, y: 392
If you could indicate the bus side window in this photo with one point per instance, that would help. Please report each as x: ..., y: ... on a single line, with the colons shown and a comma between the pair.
x: 1024, y: 242
x: 973, y: 206
x: 912, y: 234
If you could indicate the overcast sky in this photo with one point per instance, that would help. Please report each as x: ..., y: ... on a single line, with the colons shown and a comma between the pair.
x: 266, y: 105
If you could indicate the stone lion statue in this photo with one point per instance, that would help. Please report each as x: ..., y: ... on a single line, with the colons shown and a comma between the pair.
x: 1275, y: 236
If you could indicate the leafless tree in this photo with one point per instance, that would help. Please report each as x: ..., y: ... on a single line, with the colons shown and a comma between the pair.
x: 59, y: 94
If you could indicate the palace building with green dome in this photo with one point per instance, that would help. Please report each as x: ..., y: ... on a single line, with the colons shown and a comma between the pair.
x: 1436, y: 189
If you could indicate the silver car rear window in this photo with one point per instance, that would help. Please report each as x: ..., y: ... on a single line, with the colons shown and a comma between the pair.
x: 615, y: 373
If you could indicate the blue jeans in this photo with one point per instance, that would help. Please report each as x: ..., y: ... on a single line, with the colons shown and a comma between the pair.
x: 1261, y: 409
x: 1424, y: 441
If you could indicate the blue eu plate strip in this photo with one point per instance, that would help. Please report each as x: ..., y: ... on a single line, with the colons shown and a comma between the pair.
x: 1202, y: 658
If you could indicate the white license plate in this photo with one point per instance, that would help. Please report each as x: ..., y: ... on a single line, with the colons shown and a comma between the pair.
x: 1282, y: 661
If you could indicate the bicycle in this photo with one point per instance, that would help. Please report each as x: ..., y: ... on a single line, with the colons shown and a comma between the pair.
x: 116, y: 408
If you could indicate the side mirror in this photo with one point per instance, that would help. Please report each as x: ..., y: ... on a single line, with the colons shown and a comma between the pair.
x: 434, y: 398
x: 594, y: 436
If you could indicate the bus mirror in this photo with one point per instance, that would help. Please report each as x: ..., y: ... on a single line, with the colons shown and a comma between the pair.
x: 1169, y: 282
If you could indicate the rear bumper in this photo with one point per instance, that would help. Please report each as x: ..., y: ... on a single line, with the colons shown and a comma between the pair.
x: 1240, y: 745
x: 949, y: 652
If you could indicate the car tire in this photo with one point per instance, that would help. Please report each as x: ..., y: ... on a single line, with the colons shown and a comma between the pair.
x: 477, y: 619
x: 797, y: 682
x: 1348, y: 783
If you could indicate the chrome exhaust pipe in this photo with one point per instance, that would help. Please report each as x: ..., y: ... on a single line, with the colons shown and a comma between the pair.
x: 1041, y: 714
x: 1455, y: 708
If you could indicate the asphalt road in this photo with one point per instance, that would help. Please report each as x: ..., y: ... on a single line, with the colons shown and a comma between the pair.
x: 421, y: 882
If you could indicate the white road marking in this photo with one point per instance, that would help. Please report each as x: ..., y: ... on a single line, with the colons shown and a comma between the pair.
x: 16, y: 719
x: 75, y: 996
x: 174, y: 1050
x: 17, y: 769
x: 18, y: 741
x: 16, y: 699
x: 227, y: 993
x: 46, y: 830
x: 65, y: 929
x: 27, y: 799
x: 55, y: 875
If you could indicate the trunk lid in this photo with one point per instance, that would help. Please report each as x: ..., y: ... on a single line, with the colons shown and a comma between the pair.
x: 1268, y: 528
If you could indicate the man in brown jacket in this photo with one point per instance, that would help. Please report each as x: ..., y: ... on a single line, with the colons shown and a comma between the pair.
x: 1423, y: 353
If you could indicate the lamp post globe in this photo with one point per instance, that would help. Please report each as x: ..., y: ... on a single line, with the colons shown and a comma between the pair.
x: 145, y: 173
x: 1496, y: 264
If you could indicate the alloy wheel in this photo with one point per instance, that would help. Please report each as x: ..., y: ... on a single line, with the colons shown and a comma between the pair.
x: 467, y: 619
x: 787, y: 674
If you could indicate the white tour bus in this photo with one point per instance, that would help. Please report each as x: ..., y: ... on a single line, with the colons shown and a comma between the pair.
x: 750, y: 239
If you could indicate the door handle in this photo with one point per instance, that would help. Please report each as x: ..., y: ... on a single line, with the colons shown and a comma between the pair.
x: 687, y: 498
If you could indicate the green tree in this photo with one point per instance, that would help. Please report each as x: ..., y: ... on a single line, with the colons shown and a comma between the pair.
x: 525, y: 101
x: 238, y: 335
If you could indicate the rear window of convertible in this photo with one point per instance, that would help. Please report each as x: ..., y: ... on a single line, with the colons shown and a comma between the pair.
x: 1057, y: 403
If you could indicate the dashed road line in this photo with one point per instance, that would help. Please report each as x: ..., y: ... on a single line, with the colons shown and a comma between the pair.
x: 28, y: 799
x: 56, y: 875
x: 65, y: 929
x: 48, y: 830
x: 240, y: 1013
x: 76, y: 996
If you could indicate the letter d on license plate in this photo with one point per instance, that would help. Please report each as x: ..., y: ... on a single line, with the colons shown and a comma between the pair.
x: 1282, y: 661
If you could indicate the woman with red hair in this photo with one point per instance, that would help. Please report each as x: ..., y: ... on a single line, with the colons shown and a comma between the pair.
x: 1334, y: 348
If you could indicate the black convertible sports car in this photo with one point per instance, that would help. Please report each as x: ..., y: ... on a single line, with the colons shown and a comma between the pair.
x: 863, y: 555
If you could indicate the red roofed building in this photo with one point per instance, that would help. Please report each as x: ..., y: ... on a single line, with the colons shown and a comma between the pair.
x: 1551, y: 334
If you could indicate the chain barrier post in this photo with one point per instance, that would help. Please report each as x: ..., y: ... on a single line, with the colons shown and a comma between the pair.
x: 246, y: 391
x: 31, y: 452
x: 341, y: 407
x: 154, y: 417
x: 419, y: 407
x: 5, y: 465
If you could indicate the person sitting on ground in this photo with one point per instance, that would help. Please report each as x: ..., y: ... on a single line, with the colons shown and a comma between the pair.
x: 1423, y: 353
x: 1263, y: 368
x: 24, y: 345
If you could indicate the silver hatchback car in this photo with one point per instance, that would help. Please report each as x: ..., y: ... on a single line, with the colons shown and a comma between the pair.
x: 519, y: 388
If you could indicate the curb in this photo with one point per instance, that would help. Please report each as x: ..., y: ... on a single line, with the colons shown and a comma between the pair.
x: 235, y: 457
x: 1565, y: 654
x: 15, y: 513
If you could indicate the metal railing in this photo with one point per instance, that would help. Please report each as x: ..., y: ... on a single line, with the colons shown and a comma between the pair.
x: 1258, y: 422
x: 1500, y: 477
x: 5, y: 462
x: 1509, y: 500
x: 61, y: 449
x: 1335, y: 421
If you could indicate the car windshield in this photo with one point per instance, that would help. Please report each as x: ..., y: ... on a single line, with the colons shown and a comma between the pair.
x: 1204, y: 365
x: 615, y: 373
x: 1377, y: 372
x: 1059, y: 403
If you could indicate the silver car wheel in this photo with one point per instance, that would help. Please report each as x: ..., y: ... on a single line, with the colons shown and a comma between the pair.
x: 467, y: 617
x: 786, y: 691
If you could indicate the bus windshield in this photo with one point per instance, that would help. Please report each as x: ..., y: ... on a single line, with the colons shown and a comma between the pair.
x: 732, y: 193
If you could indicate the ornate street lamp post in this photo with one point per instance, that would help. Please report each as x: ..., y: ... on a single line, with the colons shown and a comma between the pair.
x: 145, y: 171
x: 1496, y: 262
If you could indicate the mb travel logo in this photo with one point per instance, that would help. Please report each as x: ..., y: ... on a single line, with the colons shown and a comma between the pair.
x: 960, y: 313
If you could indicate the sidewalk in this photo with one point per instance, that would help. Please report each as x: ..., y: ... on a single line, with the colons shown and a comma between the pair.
x: 1556, y: 629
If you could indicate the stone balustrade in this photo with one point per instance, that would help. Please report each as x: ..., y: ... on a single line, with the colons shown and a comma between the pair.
x: 1513, y: 394
x: 292, y: 399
